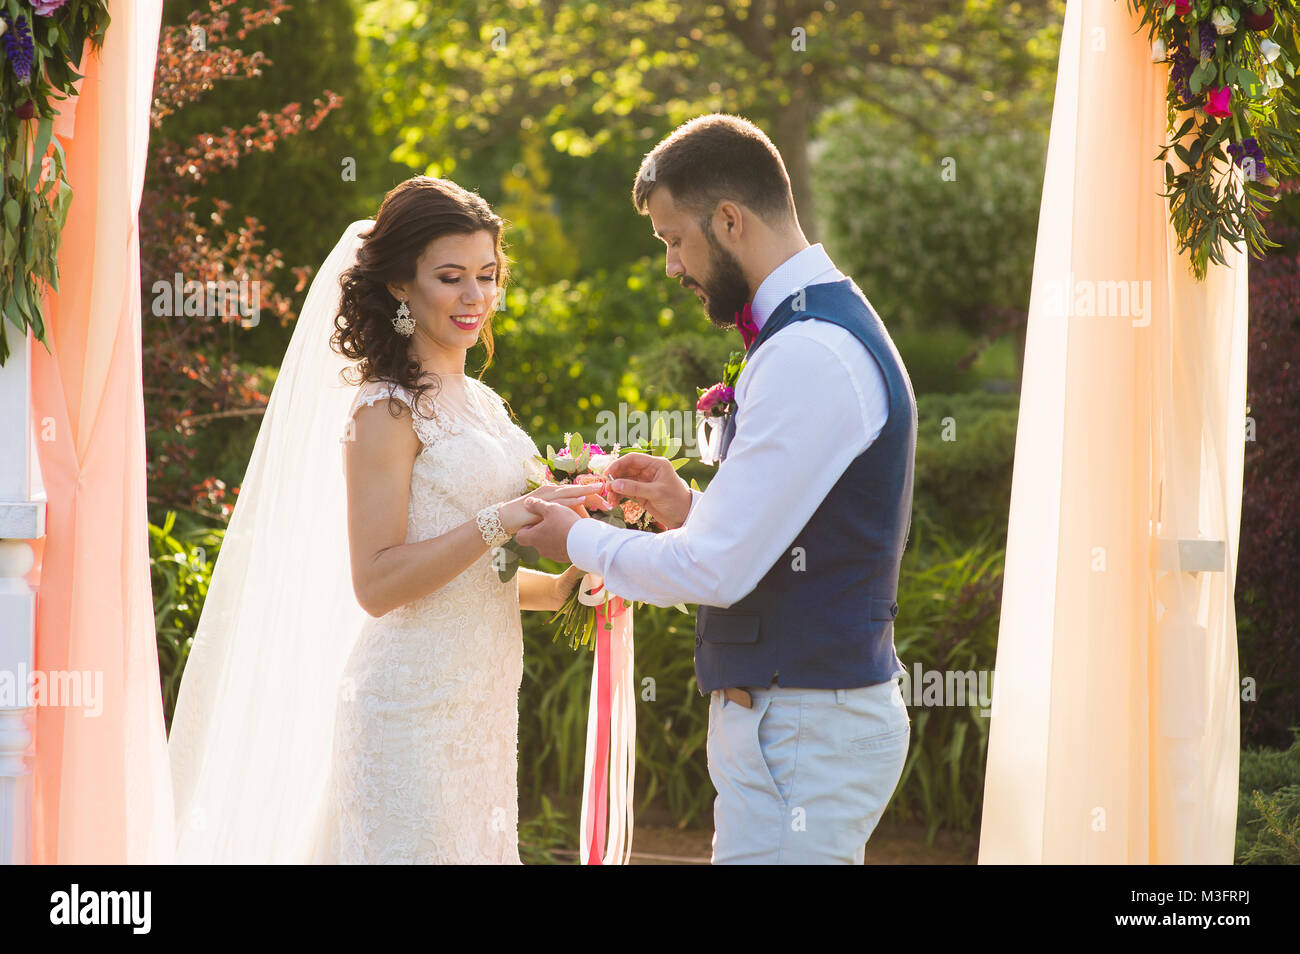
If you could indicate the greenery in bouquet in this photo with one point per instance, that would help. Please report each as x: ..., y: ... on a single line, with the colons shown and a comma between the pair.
x: 1229, y: 76
x: 41, y: 46
x: 581, y: 463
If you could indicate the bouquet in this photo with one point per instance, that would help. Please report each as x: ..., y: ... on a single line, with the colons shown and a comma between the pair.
x: 580, y: 463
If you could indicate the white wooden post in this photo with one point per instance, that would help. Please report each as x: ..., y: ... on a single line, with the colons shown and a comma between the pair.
x: 22, y: 519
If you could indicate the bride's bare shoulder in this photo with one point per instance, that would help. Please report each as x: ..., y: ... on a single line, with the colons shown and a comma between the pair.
x: 380, y: 416
x: 372, y: 391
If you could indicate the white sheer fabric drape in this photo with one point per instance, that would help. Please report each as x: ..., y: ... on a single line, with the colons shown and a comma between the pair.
x: 1114, y: 735
x: 252, y: 735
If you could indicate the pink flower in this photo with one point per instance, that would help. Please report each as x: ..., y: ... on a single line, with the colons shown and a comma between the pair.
x: 1219, y: 102
x: 718, y: 394
x: 592, y: 449
x: 43, y: 8
x: 598, y: 480
x: 632, y: 511
x: 1181, y: 7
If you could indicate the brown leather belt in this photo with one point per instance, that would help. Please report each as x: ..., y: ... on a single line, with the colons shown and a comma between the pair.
x: 740, y: 697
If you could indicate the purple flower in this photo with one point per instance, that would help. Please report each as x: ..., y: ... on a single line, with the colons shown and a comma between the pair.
x: 1249, y: 149
x: 18, y: 45
x: 1180, y: 73
x: 43, y: 8
x: 1208, y: 36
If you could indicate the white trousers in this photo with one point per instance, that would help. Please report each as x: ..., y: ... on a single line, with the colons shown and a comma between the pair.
x: 804, y: 775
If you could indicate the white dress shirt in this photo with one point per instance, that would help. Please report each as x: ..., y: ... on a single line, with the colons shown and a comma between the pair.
x: 811, y: 399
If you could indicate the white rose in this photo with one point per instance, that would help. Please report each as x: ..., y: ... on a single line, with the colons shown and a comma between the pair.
x: 599, y: 463
x: 1269, y: 50
x: 1158, y: 52
x: 3, y: 26
x: 1222, y: 21
x: 1273, y: 79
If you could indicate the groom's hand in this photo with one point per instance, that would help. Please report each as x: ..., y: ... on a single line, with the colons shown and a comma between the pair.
x: 550, y: 535
x: 654, y: 484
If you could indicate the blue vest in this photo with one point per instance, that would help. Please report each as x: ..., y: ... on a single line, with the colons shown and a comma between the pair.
x: 823, y: 615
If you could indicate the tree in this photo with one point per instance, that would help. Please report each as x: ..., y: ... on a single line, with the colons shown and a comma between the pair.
x: 460, y: 80
x: 192, y: 377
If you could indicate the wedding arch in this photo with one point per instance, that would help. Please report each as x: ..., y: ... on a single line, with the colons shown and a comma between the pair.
x: 1114, y: 736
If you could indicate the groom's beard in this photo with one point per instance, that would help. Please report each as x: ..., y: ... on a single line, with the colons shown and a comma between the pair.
x: 726, y: 290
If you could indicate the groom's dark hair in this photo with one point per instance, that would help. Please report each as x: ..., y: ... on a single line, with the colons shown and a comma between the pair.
x: 716, y: 157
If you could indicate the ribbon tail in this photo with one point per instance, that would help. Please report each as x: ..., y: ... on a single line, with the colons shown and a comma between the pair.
x: 609, y: 768
x: 702, y: 439
x: 595, y: 781
x: 623, y: 739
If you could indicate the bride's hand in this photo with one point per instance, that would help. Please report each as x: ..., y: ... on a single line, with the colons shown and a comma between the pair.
x: 515, y: 516
x: 564, y: 584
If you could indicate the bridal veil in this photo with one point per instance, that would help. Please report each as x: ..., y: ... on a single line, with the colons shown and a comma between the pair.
x: 252, y: 734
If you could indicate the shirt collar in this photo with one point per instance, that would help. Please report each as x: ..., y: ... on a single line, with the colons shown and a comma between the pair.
x: 797, y: 271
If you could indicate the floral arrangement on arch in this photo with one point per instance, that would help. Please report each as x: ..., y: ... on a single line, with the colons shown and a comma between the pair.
x: 41, y: 45
x: 1228, y: 79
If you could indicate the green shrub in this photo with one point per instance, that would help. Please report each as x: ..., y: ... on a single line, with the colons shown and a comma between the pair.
x: 949, y: 604
x: 963, y: 484
x: 1268, y: 805
x: 180, y: 569
x: 541, y: 835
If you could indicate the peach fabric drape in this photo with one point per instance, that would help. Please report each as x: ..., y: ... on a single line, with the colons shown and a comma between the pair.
x: 1114, y: 734
x: 101, y: 782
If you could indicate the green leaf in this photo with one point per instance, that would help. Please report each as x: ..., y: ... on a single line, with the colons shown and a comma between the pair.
x: 575, y: 445
x: 43, y: 132
x: 681, y: 462
x: 12, y: 212
x: 1250, y: 83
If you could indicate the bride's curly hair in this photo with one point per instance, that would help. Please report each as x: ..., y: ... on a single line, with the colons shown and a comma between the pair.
x: 412, y: 215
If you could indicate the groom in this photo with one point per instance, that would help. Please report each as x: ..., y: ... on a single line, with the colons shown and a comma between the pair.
x: 793, y: 552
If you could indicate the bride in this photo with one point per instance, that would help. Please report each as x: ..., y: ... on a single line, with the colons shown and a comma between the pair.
x: 351, y: 695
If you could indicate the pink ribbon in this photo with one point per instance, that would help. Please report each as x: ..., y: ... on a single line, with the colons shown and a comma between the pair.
x: 596, y: 787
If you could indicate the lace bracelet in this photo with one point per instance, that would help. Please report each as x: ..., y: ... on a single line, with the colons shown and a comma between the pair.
x: 489, y: 524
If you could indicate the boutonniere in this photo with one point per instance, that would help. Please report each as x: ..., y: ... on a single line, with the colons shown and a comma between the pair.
x: 716, y: 403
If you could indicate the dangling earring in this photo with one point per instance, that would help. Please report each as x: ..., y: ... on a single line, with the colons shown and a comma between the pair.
x: 403, y: 323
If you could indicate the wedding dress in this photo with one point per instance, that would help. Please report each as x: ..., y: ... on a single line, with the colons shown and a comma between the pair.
x: 424, y: 766
x: 305, y: 729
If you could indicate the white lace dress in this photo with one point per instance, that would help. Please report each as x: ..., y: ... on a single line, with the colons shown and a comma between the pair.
x: 426, y: 737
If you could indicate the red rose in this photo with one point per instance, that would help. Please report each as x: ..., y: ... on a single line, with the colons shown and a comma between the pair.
x: 26, y: 110
x: 1258, y: 21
